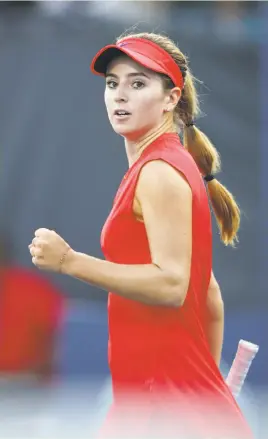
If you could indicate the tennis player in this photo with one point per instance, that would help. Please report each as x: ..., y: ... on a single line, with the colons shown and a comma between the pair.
x: 165, y: 307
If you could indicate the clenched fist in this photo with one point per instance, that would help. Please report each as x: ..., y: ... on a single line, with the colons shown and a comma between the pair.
x: 48, y: 250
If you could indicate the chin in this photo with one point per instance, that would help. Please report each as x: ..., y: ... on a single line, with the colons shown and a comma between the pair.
x: 123, y: 131
x: 129, y: 132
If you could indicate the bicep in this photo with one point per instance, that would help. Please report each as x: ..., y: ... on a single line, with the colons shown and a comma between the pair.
x: 165, y: 199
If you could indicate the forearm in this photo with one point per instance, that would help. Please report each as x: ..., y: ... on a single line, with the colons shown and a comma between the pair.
x: 144, y: 283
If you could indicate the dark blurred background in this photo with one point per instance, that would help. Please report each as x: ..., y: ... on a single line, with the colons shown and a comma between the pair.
x: 61, y: 163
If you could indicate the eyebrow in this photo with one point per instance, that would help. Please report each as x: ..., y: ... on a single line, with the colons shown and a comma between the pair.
x: 130, y: 75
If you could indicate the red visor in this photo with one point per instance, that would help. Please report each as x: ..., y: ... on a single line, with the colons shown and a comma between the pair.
x: 144, y: 52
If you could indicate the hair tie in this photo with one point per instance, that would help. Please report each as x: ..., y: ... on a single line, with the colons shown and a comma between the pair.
x: 209, y: 177
x: 190, y: 124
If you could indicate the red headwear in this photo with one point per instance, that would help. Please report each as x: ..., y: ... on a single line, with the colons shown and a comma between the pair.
x: 144, y: 52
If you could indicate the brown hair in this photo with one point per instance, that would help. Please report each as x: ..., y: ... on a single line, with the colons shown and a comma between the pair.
x: 197, y: 143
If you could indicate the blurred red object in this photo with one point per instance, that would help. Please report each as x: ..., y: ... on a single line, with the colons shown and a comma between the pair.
x: 30, y: 314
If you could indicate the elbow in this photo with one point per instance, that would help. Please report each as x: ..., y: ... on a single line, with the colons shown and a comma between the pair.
x: 176, y: 290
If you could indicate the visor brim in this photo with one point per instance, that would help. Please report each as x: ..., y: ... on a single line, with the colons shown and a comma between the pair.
x: 103, y: 58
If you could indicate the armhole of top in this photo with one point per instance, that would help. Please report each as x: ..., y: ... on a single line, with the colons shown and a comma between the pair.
x: 137, y: 175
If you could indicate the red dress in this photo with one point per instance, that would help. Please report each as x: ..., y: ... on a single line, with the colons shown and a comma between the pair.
x: 157, y: 350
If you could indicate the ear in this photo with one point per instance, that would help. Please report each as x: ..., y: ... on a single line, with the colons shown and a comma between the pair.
x: 172, y: 98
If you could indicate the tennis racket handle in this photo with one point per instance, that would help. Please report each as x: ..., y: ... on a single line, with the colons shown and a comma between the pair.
x: 245, y: 354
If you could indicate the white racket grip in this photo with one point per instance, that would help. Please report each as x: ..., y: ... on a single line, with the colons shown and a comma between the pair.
x: 245, y: 354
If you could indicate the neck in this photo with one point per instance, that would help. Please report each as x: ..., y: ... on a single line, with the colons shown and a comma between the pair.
x: 134, y: 149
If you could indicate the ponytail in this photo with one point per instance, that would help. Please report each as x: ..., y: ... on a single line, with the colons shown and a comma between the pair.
x: 225, y: 208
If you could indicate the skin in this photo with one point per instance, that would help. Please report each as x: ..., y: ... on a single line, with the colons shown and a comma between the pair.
x: 134, y: 88
x: 215, y: 320
x: 163, y: 200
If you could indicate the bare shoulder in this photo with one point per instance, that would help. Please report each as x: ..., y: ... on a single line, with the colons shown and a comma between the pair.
x: 159, y: 177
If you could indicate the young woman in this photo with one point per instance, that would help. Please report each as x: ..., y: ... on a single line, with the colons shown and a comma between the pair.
x: 165, y: 306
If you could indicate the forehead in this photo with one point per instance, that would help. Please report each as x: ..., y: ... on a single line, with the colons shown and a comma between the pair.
x: 123, y: 65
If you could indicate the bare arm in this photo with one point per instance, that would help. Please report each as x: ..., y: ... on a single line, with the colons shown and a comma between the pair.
x: 166, y: 202
x: 215, y: 319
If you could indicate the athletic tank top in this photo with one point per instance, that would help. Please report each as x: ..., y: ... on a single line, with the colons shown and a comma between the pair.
x: 154, y: 344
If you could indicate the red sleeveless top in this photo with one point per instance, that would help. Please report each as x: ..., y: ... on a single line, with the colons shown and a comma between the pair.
x: 149, y: 344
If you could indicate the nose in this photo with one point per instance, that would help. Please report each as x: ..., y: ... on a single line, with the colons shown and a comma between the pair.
x: 120, y: 95
x: 120, y: 98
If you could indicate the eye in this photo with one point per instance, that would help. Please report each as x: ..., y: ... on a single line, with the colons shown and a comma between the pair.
x: 111, y: 84
x: 138, y: 84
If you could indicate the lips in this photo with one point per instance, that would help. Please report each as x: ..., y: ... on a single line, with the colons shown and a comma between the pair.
x: 121, y: 112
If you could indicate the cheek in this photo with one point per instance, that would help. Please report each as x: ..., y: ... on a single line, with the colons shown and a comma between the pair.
x: 107, y: 101
x: 150, y: 97
x: 152, y: 103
